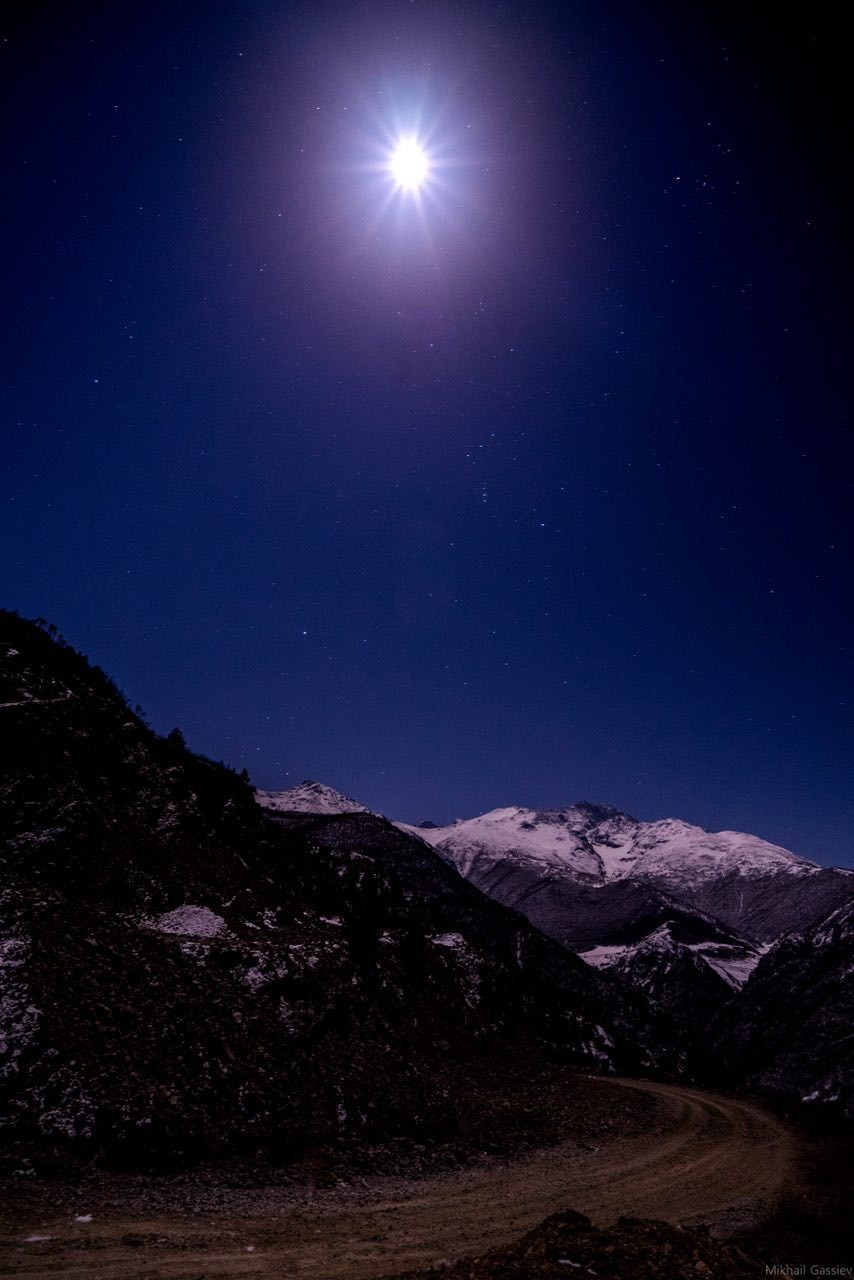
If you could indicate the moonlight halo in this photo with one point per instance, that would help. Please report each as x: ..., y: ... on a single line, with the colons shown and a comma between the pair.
x: 408, y: 164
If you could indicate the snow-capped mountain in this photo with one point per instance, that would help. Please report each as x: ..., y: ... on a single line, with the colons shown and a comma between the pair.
x: 619, y: 891
x: 309, y: 797
x: 596, y: 841
x: 679, y: 915
x: 547, y: 862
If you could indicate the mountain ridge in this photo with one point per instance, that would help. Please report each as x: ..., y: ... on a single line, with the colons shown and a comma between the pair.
x: 679, y: 915
x: 542, y: 861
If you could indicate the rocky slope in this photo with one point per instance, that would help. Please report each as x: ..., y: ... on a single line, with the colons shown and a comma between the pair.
x: 790, y: 1032
x: 685, y: 980
x: 568, y: 1244
x: 184, y: 973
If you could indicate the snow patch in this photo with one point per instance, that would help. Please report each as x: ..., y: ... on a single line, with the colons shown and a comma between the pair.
x: 453, y: 940
x: 190, y: 922
x: 733, y: 964
x: 263, y: 970
x: 603, y: 957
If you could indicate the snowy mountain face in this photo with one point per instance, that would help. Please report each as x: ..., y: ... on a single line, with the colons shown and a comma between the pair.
x: 685, y: 982
x: 732, y: 961
x: 309, y: 797
x: 546, y: 863
x: 591, y: 840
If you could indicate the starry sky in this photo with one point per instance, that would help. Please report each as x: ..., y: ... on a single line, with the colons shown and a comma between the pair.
x: 531, y: 487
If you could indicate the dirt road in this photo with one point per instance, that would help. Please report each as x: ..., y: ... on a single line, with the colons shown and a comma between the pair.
x: 713, y: 1159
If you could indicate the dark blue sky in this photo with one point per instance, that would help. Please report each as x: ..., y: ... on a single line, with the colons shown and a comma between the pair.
x: 538, y: 492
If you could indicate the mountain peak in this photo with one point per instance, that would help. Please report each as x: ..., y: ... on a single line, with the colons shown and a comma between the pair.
x: 309, y: 797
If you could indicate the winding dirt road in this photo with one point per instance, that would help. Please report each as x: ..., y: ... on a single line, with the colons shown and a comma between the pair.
x: 713, y: 1159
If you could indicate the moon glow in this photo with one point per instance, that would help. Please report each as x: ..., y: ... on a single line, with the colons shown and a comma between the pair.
x: 409, y: 165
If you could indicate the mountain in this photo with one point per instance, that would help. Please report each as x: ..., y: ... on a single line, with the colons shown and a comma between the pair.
x: 186, y: 973
x: 628, y: 896
x: 686, y: 982
x: 681, y: 962
x: 590, y: 875
x: 309, y: 797
x: 615, y: 926
x: 678, y: 915
x: 708, y: 948
x: 790, y: 1032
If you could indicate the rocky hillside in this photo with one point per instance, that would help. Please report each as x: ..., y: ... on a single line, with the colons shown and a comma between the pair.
x: 683, y: 978
x: 185, y: 973
x: 790, y: 1032
x: 568, y: 1244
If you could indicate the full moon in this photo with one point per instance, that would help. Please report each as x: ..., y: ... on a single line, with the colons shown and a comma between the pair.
x: 408, y: 164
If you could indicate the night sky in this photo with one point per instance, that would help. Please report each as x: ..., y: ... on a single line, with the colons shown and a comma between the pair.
x: 531, y: 486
